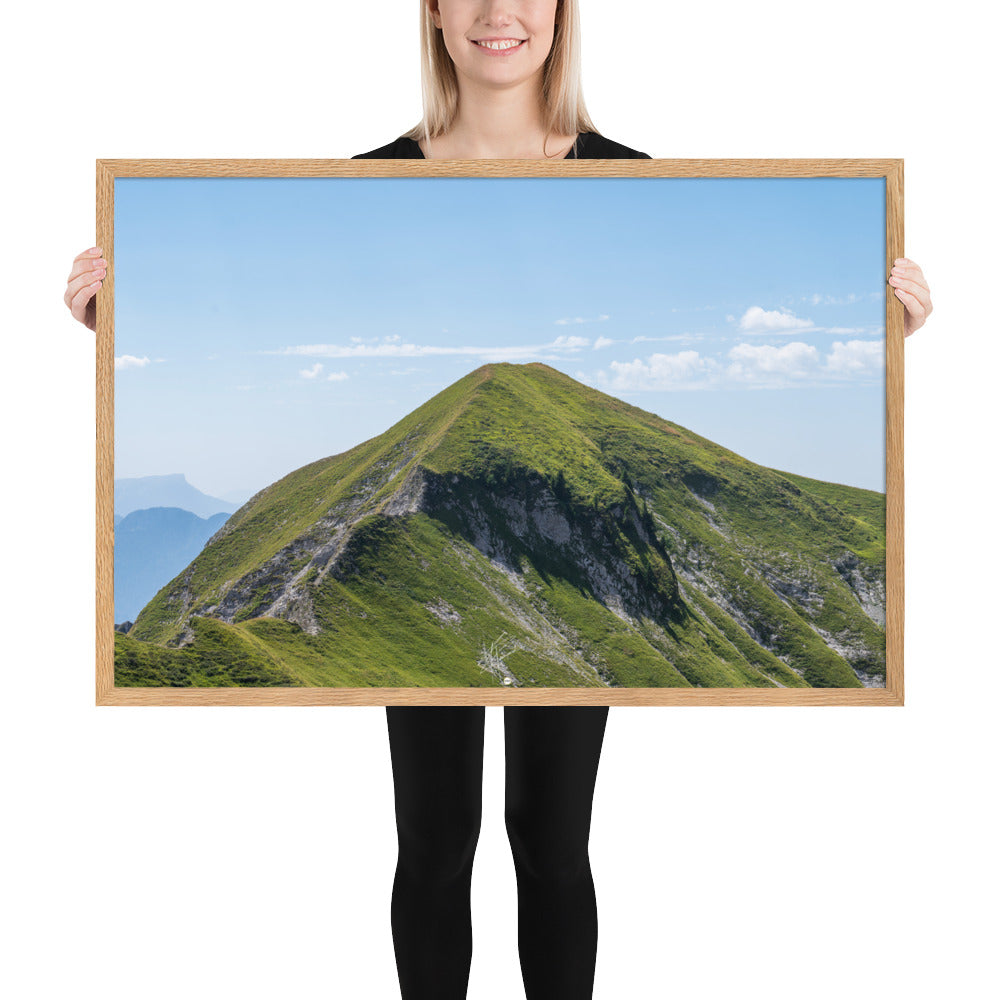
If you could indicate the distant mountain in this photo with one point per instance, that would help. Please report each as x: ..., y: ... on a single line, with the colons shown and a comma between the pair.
x: 523, y: 528
x: 151, y: 547
x: 142, y: 492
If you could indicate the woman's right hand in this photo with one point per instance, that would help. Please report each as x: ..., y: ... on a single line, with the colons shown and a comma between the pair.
x: 85, y: 277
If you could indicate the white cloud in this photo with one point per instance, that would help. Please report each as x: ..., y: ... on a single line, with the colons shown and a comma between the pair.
x: 311, y: 372
x: 336, y: 376
x: 504, y: 352
x: 565, y: 342
x: 602, y: 342
x: 758, y: 320
x: 856, y: 357
x: 762, y: 362
x: 748, y: 366
x: 659, y: 371
x: 130, y: 361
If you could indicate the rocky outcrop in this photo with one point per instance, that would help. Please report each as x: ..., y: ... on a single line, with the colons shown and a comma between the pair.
x: 282, y: 586
x: 867, y: 585
x: 524, y: 520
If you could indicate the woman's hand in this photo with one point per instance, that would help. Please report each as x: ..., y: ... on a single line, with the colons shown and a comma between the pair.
x: 910, y: 286
x: 85, y: 277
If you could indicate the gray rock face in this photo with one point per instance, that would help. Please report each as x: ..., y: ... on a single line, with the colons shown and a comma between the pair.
x: 867, y: 587
x: 528, y: 520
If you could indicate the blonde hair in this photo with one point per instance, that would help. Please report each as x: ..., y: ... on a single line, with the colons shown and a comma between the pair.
x: 562, y: 93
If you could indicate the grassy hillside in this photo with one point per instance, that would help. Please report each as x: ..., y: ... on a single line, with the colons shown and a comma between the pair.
x: 610, y: 546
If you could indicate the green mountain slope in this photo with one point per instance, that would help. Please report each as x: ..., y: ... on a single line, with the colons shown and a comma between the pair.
x: 523, y: 528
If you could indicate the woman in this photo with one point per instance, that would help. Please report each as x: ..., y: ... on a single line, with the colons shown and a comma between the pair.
x: 501, y: 79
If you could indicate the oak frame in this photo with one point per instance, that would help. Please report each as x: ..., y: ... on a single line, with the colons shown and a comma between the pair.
x: 891, y: 170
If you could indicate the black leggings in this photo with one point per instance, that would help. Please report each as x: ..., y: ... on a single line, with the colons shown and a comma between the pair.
x: 552, y: 753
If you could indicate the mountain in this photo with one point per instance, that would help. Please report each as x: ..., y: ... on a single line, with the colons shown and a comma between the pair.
x: 153, y: 546
x: 142, y: 492
x: 523, y: 528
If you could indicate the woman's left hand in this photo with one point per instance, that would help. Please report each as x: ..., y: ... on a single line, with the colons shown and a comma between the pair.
x: 910, y: 286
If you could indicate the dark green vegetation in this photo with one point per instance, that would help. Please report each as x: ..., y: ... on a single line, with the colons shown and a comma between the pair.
x: 603, y: 544
x: 219, y: 658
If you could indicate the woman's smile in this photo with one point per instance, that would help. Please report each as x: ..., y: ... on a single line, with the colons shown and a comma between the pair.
x: 498, y: 46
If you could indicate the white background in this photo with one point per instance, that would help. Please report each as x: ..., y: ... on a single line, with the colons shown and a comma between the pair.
x: 247, y: 852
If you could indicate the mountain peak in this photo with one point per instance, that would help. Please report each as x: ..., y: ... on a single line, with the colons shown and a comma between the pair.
x: 530, y: 371
x: 491, y: 366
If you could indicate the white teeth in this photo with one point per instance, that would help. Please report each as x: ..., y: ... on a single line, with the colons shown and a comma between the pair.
x: 499, y: 45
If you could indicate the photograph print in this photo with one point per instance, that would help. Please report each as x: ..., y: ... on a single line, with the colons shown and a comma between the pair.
x: 516, y: 432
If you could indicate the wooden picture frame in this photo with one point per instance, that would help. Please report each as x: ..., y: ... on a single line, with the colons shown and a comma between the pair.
x: 887, y: 172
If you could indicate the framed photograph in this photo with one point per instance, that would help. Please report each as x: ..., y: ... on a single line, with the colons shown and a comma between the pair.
x: 377, y: 432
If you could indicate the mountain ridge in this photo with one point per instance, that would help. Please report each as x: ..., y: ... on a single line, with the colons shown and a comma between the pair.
x: 630, y: 551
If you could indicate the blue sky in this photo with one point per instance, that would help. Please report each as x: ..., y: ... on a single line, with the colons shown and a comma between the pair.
x: 261, y: 324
